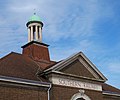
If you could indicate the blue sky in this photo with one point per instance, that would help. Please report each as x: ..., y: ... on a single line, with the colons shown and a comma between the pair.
x: 70, y: 26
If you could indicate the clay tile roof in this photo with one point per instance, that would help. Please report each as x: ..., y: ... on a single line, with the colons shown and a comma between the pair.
x: 21, y: 66
x: 43, y: 64
x: 17, y: 65
x: 110, y: 89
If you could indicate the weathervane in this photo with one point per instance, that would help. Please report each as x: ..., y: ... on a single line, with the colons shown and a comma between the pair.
x: 34, y: 11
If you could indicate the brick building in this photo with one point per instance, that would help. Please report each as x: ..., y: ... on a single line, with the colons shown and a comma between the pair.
x: 33, y: 76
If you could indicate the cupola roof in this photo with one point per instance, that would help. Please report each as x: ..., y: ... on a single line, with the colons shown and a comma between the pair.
x: 34, y: 18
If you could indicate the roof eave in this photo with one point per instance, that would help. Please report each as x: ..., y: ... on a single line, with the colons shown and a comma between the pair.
x: 24, y: 81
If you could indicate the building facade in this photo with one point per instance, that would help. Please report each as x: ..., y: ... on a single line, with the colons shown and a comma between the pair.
x: 32, y: 75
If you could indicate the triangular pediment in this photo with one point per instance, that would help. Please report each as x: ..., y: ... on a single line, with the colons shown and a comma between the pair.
x: 78, y: 69
x: 78, y: 65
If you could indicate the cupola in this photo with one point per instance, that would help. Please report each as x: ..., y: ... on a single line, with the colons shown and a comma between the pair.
x: 35, y: 48
x: 34, y: 26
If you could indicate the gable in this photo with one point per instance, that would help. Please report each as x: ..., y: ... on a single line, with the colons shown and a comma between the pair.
x: 77, y: 65
x: 77, y: 68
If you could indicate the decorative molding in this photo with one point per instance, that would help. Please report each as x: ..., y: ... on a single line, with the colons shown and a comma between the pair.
x: 88, y: 68
x: 76, y: 76
x: 94, y: 67
x: 80, y: 94
x: 81, y: 91
x: 72, y: 58
x: 75, y: 83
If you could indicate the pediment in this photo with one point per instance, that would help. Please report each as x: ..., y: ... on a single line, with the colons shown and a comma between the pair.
x: 78, y: 65
x: 78, y: 69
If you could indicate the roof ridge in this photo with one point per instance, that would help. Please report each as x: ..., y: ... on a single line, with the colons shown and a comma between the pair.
x: 9, y: 55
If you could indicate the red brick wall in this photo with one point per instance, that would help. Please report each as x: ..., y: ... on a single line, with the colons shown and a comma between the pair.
x: 22, y: 93
x: 16, y: 92
x: 65, y: 93
x: 37, y: 52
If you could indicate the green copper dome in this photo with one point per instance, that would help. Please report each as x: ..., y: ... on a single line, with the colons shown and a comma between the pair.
x: 34, y: 18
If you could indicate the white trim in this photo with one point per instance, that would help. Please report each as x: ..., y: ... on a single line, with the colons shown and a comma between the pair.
x: 67, y: 61
x: 89, y: 69
x: 94, y: 67
x: 76, y: 76
x: 24, y: 81
x: 112, y: 94
x: 59, y: 64
x: 40, y: 45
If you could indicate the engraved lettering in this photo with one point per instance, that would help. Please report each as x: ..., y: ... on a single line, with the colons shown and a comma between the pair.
x: 75, y: 83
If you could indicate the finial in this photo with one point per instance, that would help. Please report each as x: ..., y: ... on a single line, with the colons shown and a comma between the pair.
x: 34, y: 11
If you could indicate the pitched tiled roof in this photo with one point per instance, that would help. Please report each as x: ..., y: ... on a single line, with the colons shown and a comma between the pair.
x: 110, y: 89
x: 43, y: 64
x: 21, y: 66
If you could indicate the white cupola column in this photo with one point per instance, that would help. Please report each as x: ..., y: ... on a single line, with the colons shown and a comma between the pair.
x: 29, y: 35
x: 32, y: 35
x: 40, y: 34
x: 37, y: 32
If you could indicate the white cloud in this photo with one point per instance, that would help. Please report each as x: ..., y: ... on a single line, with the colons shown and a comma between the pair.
x: 68, y: 19
x: 62, y: 19
x: 23, y: 9
x: 114, y: 66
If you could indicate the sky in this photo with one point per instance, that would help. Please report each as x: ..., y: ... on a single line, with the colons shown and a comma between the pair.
x: 70, y: 26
